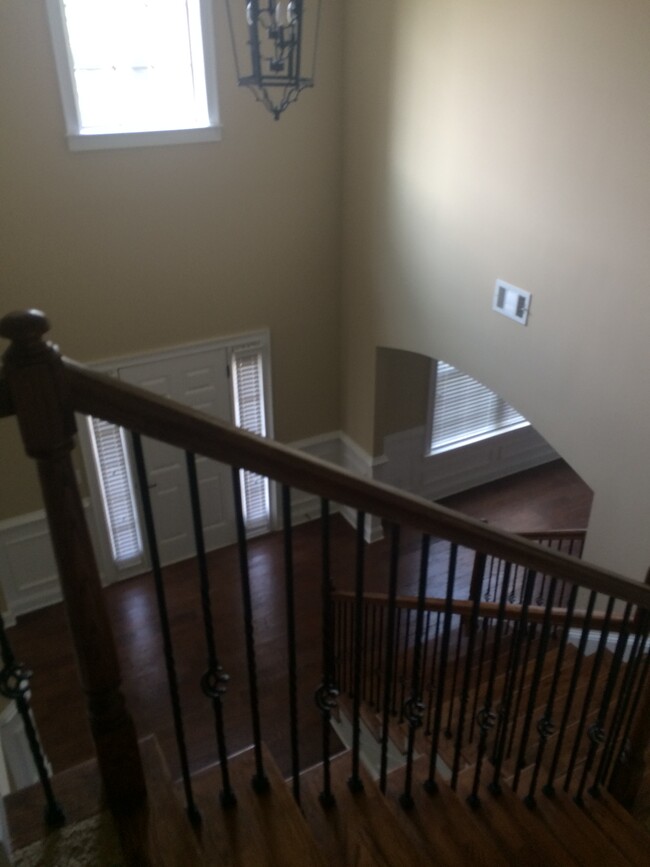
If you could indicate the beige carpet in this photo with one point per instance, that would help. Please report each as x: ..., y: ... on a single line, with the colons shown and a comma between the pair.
x: 91, y: 843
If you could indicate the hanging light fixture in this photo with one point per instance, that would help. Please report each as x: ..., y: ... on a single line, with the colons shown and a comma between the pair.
x: 274, y: 43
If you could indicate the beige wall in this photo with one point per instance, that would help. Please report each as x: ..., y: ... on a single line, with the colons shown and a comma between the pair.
x: 402, y: 385
x: 510, y: 139
x: 130, y: 250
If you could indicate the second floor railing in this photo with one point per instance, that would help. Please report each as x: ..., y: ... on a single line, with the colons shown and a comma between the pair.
x: 44, y: 391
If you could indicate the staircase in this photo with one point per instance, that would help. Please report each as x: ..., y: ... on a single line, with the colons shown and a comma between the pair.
x: 519, y: 711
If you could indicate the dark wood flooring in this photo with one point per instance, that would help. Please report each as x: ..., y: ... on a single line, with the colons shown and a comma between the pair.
x: 551, y: 496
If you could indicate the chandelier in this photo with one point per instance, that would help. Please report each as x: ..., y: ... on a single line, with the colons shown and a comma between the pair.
x: 274, y: 43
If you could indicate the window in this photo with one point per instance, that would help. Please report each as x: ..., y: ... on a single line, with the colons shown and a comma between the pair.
x: 116, y: 492
x: 135, y: 72
x: 248, y: 399
x: 465, y: 411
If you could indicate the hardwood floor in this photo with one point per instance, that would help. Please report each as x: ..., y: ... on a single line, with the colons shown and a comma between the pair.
x: 547, y: 497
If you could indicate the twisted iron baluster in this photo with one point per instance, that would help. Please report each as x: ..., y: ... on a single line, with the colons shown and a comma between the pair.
x: 597, y: 733
x: 545, y: 726
x: 291, y: 642
x: 165, y: 629
x: 593, y: 680
x: 549, y: 789
x: 532, y: 697
x: 14, y: 685
x: 355, y: 783
x: 479, y: 569
x: 631, y: 670
x: 326, y: 693
x: 486, y: 717
x: 432, y: 678
x: 390, y: 652
x: 214, y: 680
x: 500, y: 746
x: 430, y: 785
x: 260, y: 781
x: 413, y: 707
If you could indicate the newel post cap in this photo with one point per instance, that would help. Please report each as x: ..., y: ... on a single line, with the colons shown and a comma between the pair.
x: 24, y: 326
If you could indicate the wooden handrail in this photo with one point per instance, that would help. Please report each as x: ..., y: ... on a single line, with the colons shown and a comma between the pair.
x: 577, y: 533
x: 96, y: 394
x: 464, y: 608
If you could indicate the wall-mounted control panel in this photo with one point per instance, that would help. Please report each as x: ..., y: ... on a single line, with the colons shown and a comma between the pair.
x: 511, y: 301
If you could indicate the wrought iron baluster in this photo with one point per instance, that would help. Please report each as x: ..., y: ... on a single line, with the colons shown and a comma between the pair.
x: 597, y: 733
x: 14, y: 685
x: 432, y: 676
x: 479, y: 569
x: 291, y: 642
x: 170, y: 664
x: 413, y: 709
x: 486, y: 717
x: 370, y: 675
x: 545, y: 726
x: 511, y: 678
x: 534, y: 687
x: 355, y: 783
x: 452, y: 698
x: 395, y: 660
x: 593, y: 680
x: 426, y: 646
x: 549, y: 788
x: 327, y: 692
x: 627, y: 689
x: 260, y: 781
x: 380, y: 656
x: 214, y: 680
x: 625, y: 754
x: 485, y: 628
x: 530, y: 634
x: 391, y: 646
x: 367, y: 638
x: 430, y: 784
x: 405, y: 660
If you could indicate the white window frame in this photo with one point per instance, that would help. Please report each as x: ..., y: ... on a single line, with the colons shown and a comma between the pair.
x: 494, y: 404
x: 78, y: 140
x: 255, y: 524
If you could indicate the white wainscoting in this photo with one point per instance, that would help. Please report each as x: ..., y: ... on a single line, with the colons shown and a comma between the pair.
x: 435, y: 476
x: 28, y: 571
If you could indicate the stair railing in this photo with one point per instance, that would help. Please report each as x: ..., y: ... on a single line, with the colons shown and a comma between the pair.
x: 44, y: 391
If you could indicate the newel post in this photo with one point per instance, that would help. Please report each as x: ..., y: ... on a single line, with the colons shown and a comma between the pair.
x: 35, y: 376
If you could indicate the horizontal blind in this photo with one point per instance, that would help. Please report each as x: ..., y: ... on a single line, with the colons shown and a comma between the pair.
x: 116, y: 488
x: 465, y: 410
x: 248, y: 390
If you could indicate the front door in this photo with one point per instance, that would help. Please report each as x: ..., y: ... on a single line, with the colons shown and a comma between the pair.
x: 198, y: 379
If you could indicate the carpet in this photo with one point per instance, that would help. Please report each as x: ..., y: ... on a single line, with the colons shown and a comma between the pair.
x: 90, y: 843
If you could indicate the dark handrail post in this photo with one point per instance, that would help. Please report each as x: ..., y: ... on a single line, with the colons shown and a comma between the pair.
x: 35, y: 376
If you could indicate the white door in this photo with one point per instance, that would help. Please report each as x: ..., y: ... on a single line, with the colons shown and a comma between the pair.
x: 200, y: 380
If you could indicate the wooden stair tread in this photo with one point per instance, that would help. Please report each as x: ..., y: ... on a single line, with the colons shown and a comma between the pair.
x: 571, y: 827
x: 158, y: 834
x: 359, y: 829
x: 608, y: 816
x: 440, y: 822
x: 261, y: 830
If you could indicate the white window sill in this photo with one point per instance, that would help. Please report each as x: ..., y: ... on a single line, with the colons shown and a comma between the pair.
x: 148, y: 138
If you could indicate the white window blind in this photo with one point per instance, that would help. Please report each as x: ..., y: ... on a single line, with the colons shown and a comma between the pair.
x: 117, y: 494
x: 465, y: 411
x: 248, y: 394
